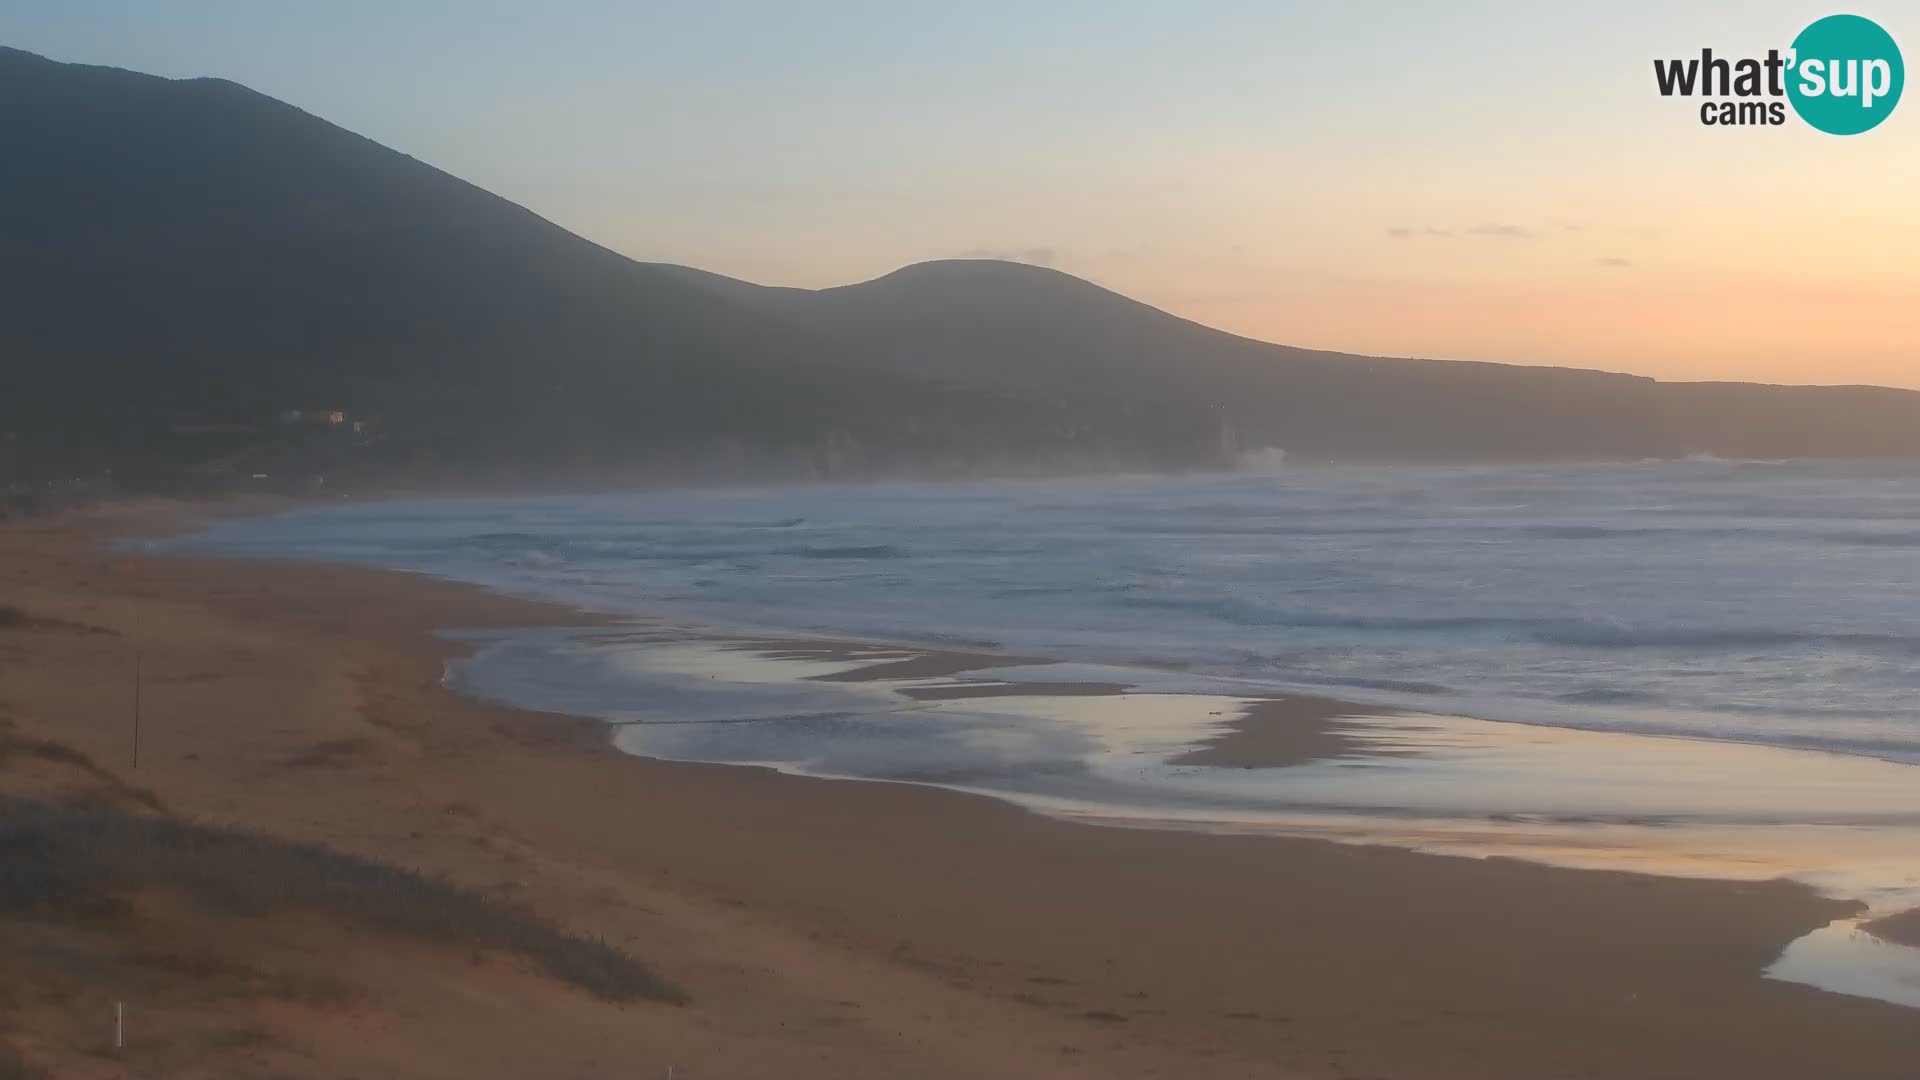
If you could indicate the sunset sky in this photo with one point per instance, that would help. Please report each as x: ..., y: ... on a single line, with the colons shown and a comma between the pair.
x: 1404, y: 179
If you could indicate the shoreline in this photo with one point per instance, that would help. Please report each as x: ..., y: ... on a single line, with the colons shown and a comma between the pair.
x: 1363, y: 696
x: 946, y: 917
x: 1253, y: 763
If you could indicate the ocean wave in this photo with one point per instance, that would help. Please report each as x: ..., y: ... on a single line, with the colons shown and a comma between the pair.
x: 1860, y: 537
x: 1618, y: 532
x: 1715, y: 638
x: 1767, y: 601
x: 1562, y: 632
x: 1392, y: 686
x: 1716, y: 459
x: 537, y: 557
x: 1271, y: 461
x: 1608, y: 695
x: 1874, y: 539
x: 847, y: 551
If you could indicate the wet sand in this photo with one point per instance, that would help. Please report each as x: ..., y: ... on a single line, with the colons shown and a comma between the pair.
x: 1903, y: 928
x: 841, y: 928
x: 1278, y: 732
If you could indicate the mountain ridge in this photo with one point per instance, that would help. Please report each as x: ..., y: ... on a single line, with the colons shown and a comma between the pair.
x: 923, y: 265
x: 189, y: 253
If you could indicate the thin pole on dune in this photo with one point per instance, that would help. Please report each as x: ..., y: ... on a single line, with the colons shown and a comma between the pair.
x: 131, y: 568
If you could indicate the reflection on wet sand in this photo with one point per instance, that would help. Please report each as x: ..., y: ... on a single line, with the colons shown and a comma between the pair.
x: 1845, y: 958
x: 1154, y: 749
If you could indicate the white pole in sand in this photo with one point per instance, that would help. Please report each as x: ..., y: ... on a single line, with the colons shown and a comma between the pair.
x: 119, y: 1026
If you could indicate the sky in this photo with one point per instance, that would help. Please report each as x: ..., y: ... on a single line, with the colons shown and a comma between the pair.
x: 1489, y: 181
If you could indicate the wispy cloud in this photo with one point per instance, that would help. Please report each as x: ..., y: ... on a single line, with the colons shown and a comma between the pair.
x: 1614, y: 261
x: 1635, y: 232
x: 1408, y: 232
x: 1038, y: 256
x: 1503, y: 232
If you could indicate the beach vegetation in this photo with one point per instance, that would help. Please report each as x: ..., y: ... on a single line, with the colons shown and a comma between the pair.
x: 80, y: 864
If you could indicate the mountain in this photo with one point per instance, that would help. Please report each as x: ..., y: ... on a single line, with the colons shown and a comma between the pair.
x: 193, y: 255
x: 1049, y: 335
x: 188, y: 263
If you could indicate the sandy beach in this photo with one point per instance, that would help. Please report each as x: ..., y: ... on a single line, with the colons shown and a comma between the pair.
x: 815, y: 927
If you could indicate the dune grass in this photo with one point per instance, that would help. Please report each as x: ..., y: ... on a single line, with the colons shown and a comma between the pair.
x: 13, y: 745
x: 77, y: 863
x: 15, y: 1067
x: 13, y: 617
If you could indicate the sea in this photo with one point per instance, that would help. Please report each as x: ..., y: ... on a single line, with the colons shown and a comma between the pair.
x: 1701, y: 667
x: 1773, y: 603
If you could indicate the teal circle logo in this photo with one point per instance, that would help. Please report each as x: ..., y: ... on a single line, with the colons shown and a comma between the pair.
x: 1846, y: 74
